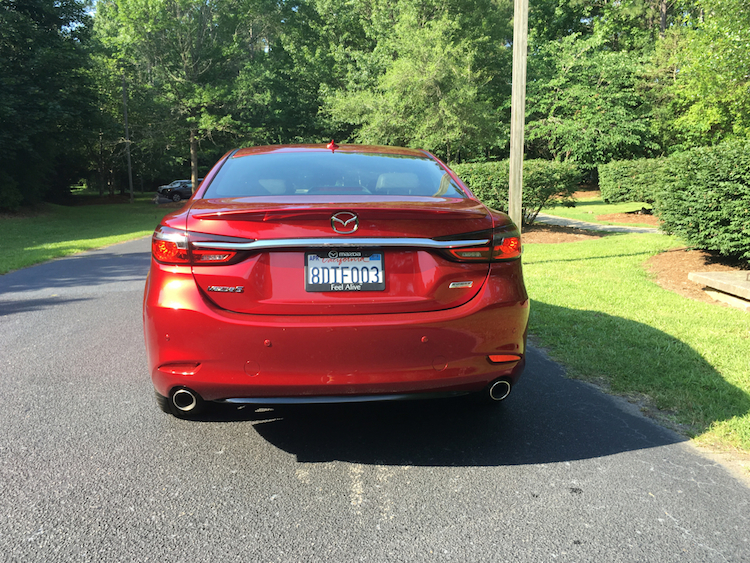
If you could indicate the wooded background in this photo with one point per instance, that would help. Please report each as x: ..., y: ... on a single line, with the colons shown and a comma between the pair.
x: 607, y: 80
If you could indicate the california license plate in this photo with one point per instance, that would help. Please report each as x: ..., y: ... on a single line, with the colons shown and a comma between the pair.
x: 344, y: 270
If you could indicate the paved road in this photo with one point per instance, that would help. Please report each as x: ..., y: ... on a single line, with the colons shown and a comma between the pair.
x: 90, y: 470
x: 586, y: 225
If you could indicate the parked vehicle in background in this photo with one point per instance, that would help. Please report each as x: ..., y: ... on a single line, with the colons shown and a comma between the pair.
x: 177, y: 190
x: 333, y: 274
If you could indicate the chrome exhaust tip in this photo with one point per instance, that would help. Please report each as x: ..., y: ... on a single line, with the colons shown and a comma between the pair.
x: 184, y: 400
x: 499, y: 390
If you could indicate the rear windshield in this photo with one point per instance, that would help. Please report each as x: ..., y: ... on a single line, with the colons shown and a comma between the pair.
x: 325, y: 173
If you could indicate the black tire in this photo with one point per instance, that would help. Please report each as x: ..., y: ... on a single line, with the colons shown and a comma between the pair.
x: 176, y: 197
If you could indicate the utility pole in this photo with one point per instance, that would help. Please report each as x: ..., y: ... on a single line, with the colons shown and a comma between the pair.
x: 518, y: 108
x: 127, y: 135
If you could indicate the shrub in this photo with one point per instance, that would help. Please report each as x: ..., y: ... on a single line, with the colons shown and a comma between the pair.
x: 707, y: 201
x: 632, y: 180
x: 545, y: 183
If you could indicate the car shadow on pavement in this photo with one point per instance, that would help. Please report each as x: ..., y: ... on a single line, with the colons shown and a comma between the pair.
x: 547, y: 418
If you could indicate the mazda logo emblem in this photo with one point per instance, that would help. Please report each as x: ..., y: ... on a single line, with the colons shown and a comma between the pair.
x: 345, y: 222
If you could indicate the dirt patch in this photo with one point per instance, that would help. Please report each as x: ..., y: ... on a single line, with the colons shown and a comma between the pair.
x: 550, y: 234
x: 673, y: 266
x: 635, y: 217
x: 587, y: 194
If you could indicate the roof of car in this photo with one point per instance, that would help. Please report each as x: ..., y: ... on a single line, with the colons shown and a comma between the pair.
x: 372, y: 149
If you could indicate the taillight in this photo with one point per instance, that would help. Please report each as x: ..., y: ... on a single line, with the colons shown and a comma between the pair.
x: 505, y: 244
x: 173, y: 246
x: 170, y: 246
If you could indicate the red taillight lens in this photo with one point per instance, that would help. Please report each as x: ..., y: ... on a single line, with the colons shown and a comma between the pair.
x: 170, y: 246
x: 506, y: 245
x: 173, y: 246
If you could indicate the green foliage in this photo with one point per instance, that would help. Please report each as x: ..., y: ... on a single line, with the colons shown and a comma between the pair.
x: 632, y: 180
x: 584, y: 104
x: 45, y: 103
x: 545, y: 183
x: 707, y: 201
x: 710, y: 93
x: 427, y: 82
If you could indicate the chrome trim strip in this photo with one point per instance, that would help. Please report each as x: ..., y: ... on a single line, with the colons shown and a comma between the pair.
x: 341, y: 243
x: 339, y: 399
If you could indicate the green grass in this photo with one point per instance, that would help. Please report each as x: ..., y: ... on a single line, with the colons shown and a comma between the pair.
x: 588, y: 209
x: 599, y: 313
x: 56, y: 230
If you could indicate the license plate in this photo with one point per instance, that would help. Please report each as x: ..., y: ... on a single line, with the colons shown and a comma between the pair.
x: 344, y: 270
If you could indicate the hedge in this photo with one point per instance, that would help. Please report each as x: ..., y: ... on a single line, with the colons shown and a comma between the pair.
x: 707, y: 199
x: 632, y: 180
x: 543, y: 180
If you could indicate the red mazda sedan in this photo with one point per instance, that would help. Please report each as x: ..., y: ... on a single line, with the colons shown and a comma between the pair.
x: 318, y: 273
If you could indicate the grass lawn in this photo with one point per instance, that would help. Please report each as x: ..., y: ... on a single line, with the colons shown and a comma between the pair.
x: 597, y: 311
x: 589, y: 209
x: 57, y: 230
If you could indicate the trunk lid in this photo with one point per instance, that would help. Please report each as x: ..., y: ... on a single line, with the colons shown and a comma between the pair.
x: 417, y: 277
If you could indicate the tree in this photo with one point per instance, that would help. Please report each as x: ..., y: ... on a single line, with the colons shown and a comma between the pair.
x: 424, y: 75
x: 189, y: 54
x: 45, y: 99
x: 584, y: 104
x: 712, y: 82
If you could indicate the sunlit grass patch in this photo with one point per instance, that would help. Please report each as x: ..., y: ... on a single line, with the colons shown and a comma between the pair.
x: 55, y: 230
x: 599, y: 313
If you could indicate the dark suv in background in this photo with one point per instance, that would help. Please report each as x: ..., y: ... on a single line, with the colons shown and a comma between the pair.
x: 177, y: 190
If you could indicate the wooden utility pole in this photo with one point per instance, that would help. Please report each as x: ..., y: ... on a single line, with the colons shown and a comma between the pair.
x: 127, y: 135
x: 518, y: 108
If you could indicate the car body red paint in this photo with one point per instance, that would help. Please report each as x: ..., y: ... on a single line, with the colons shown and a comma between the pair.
x: 228, y: 314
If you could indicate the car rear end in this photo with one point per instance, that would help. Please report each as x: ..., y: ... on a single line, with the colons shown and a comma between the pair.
x: 308, y: 274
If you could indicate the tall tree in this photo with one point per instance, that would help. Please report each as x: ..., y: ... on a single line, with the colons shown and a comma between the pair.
x: 189, y: 53
x: 430, y: 80
x: 584, y: 104
x: 712, y: 85
x: 45, y: 101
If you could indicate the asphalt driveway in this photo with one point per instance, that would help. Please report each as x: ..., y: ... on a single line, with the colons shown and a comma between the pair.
x: 91, y: 470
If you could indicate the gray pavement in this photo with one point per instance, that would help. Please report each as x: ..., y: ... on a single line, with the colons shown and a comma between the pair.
x: 91, y: 470
x: 563, y: 222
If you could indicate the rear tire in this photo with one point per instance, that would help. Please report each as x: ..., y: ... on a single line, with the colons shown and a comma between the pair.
x: 176, y: 197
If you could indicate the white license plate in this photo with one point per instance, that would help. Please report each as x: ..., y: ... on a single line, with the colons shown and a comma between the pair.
x: 344, y: 270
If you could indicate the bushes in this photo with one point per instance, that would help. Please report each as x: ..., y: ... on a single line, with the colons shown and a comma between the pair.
x: 632, y: 180
x: 707, y: 199
x: 542, y: 180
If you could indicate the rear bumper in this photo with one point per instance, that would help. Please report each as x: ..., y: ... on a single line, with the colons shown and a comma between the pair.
x: 232, y: 355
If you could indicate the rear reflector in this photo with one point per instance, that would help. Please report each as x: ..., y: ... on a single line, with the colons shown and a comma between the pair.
x: 180, y: 369
x: 502, y: 358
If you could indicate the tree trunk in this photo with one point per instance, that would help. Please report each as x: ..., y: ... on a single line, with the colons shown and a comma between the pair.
x: 662, y: 18
x: 194, y: 158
